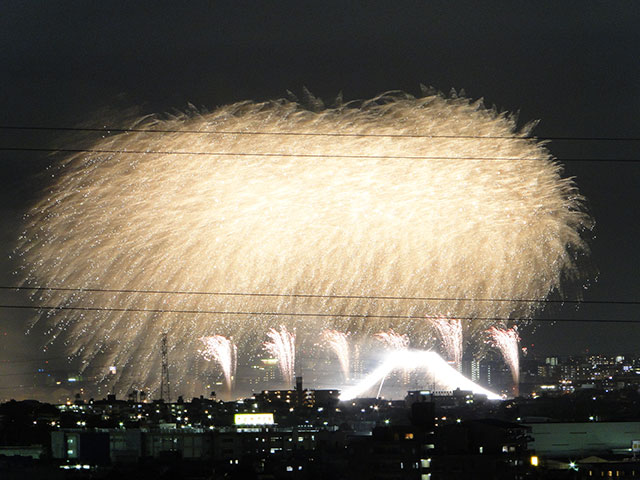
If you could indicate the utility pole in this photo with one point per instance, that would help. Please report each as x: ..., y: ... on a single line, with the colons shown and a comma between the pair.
x: 165, y: 391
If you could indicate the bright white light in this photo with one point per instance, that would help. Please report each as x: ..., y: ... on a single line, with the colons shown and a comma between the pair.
x: 444, y: 375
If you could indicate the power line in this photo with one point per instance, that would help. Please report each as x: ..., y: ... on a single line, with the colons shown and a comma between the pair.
x: 316, y: 295
x: 56, y: 371
x: 297, y: 155
x: 32, y: 387
x: 26, y: 360
x: 317, y: 134
x: 295, y: 314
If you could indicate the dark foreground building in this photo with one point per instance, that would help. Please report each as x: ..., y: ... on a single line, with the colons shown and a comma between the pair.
x: 311, y: 435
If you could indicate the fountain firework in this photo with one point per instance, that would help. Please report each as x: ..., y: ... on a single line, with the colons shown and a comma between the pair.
x: 225, y: 353
x: 450, y: 331
x: 393, y: 340
x: 340, y: 346
x: 282, y: 345
x: 394, y: 197
x: 507, y: 342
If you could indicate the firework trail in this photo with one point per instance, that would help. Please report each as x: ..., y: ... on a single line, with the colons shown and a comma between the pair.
x: 450, y: 332
x: 340, y: 346
x: 282, y: 346
x: 393, y: 196
x: 507, y: 342
x: 393, y: 340
x: 223, y: 351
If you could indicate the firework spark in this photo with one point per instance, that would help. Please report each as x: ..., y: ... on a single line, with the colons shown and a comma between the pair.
x: 224, y: 352
x: 507, y: 342
x: 394, y: 196
x: 282, y: 345
x: 450, y: 331
x: 340, y: 345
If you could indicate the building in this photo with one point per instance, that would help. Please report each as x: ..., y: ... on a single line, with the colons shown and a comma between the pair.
x: 482, y: 449
x: 581, y: 439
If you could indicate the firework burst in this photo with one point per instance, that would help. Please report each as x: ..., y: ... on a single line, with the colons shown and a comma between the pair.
x: 395, y: 196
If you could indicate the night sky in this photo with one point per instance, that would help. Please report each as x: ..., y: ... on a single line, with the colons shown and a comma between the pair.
x: 574, y: 66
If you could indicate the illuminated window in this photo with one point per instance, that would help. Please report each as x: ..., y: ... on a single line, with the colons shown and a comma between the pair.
x: 408, y: 436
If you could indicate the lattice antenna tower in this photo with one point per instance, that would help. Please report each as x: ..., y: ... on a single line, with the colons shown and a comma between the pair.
x: 165, y: 391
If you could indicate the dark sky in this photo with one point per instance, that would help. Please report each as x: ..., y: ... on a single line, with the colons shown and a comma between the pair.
x: 574, y: 65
